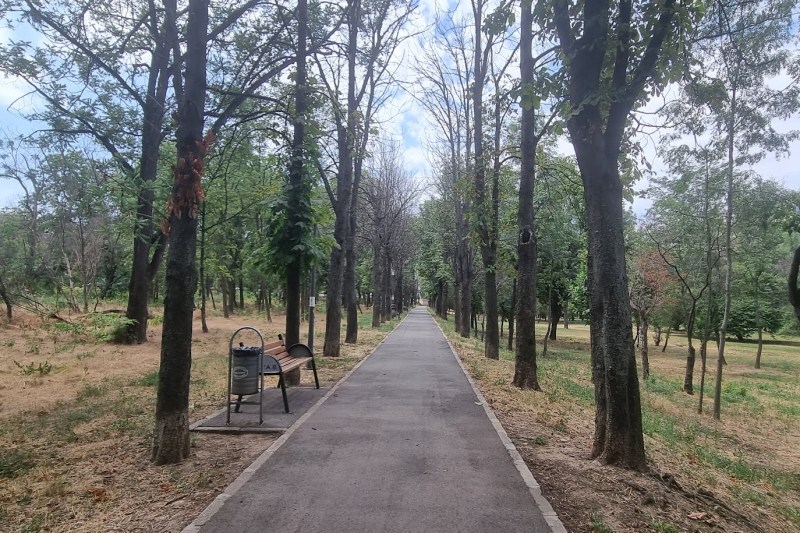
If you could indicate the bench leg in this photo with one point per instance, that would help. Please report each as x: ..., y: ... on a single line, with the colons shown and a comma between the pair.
x: 282, y: 385
x: 314, y: 368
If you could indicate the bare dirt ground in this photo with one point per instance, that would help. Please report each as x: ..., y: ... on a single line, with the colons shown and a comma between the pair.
x: 75, y: 439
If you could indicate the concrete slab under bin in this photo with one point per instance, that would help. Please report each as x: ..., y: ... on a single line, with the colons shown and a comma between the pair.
x: 275, y: 420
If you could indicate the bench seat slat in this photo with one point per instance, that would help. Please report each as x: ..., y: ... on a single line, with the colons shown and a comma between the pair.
x: 287, y: 366
x: 276, y: 352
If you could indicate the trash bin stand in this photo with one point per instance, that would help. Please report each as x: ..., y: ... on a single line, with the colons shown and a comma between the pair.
x: 240, y: 372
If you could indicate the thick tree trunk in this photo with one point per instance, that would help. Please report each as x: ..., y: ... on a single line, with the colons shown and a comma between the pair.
x: 344, y: 191
x: 387, y: 290
x: 333, y: 312
x: 525, y: 355
x: 465, y: 327
x: 171, y: 433
x: 618, y: 437
x: 349, y: 288
x: 492, y: 339
x: 513, y: 315
x: 297, y: 197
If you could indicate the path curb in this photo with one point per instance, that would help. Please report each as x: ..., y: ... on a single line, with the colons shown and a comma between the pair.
x: 550, y: 516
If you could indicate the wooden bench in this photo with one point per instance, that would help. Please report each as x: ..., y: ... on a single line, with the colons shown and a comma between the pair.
x: 277, y: 360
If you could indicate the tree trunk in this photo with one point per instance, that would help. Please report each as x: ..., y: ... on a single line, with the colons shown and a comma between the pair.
x: 6, y: 300
x: 202, y: 274
x: 349, y: 288
x: 688, y: 378
x: 555, y: 313
x: 666, y: 340
x: 644, y: 348
x: 465, y: 327
x: 525, y: 355
x: 704, y: 345
x: 377, y: 301
x: 223, y: 287
x: 297, y: 199
x: 171, y: 433
x: 513, y: 314
x: 618, y: 437
x: 387, y: 290
x: 760, y: 329
x: 344, y: 193
x: 794, y: 290
x: 152, y: 124
x: 492, y: 339
x: 351, y: 303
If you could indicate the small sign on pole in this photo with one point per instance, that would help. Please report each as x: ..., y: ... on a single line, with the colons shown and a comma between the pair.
x: 312, y: 301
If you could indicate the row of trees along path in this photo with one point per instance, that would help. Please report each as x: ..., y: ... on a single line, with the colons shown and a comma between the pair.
x: 584, y: 67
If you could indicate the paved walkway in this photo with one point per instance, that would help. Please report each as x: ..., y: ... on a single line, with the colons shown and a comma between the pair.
x: 402, y: 445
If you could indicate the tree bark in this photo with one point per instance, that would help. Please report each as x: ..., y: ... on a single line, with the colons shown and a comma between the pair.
x: 513, y: 314
x: 555, y: 312
x: 525, y: 355
x: 142, y: 268
x: 6, y: 300
x: 618, y: 421
x: 644, y: 350
x: 344, y: 192
x: 688, y: 378
x: 171, y: 444
x: 202, y: 274
x: 377, y: 298
x: 296, y: 189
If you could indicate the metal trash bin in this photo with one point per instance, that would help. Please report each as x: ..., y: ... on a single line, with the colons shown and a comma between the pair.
x: 244, y: 370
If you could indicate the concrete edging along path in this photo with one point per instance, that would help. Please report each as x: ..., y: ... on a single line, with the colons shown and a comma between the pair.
x: 527, y: 476
x: 406, y: 444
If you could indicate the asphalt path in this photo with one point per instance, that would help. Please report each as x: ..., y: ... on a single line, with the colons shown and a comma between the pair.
x: 404, y: 444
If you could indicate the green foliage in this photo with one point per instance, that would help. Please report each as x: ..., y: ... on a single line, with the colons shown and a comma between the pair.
x: 109, y: 327
x: 740, y: 469
x: 792, y: 514
x: 598, y: 525
x: 15, y: 462
x: 90, y: 391
x: 70, y: 328
x: 148, y: 380
x: 42, y: 369
x: 664, y: 526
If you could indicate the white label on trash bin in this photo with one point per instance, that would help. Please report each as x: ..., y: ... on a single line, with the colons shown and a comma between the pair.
x: 312, y: 301
x: 239, y: 372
